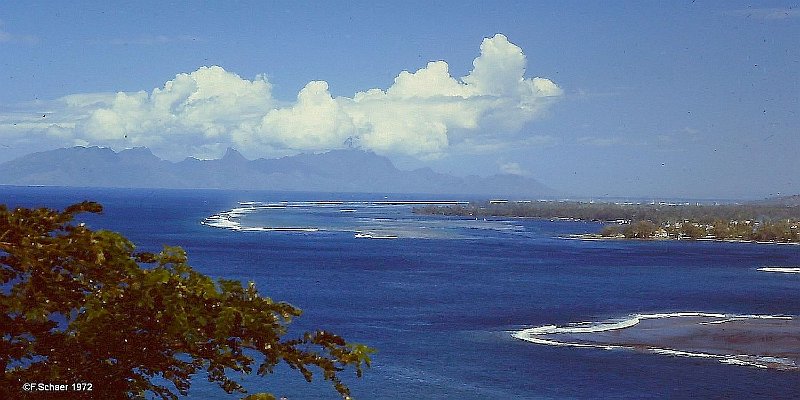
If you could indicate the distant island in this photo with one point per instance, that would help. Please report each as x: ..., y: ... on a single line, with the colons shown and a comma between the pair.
x: 774, y: 220
x: 347, y: 170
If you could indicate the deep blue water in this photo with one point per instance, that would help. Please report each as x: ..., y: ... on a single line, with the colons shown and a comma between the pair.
x: 440, y: 310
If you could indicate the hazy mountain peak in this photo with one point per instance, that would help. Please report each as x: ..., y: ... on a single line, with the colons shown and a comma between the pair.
x: 137, y: 153
x: 347, y: 170
x: 136, y: 150
x: 232, y: 155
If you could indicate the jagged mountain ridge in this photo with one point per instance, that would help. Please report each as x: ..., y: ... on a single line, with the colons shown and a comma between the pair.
x: 333, y: 171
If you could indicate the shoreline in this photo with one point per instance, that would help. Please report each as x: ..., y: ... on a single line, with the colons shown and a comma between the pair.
x: 598, y: 237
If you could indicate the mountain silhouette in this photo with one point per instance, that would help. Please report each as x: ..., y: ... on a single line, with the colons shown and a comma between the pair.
x: 333, y: 171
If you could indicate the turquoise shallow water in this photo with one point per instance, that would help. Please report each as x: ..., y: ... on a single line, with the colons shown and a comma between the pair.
x: 441, y: 300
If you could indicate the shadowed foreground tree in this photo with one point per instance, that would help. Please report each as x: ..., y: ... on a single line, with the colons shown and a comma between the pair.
x: 81, y: 306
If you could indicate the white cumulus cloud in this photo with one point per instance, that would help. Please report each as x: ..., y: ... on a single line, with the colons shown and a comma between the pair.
x: 316, y: 121
x: 205, y: 105
x: 424, y: 113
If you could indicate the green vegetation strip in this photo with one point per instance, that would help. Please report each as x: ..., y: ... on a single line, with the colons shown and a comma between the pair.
x: 749, y: 222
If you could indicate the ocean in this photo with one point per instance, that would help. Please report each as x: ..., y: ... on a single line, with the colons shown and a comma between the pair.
x: 441, y: 299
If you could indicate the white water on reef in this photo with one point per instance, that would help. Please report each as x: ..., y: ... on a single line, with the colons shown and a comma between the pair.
x: 670, y: 338
x: 364, y: 219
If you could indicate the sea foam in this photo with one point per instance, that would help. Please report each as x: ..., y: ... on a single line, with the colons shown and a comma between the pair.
x: 384, y: 219
x: 231, y: 219
x: 785, y: 270
x: 762, y: 341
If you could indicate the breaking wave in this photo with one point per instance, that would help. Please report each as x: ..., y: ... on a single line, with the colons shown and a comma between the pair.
x: 762, y: 341
x: 386, y: 219
x: 784, y: 270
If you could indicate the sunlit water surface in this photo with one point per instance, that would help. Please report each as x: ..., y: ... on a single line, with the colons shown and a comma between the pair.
x: 445, y: 300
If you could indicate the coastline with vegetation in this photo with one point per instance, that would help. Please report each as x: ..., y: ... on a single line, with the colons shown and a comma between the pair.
x: 763, y: 222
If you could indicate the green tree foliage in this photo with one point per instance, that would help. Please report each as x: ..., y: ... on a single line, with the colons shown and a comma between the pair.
x: 692, y: 230
x: 659, y: 214
x: 773, y: 222
x: 722, y: 229
x: 640, y: 230
x: 610, y: 231
x: 82, y: 306
x: 776, y: 232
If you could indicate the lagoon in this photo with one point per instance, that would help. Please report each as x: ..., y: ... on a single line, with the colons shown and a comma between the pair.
x: 443, y: 301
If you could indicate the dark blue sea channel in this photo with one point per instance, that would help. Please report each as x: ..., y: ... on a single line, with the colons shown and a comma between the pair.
x: 440, y: 298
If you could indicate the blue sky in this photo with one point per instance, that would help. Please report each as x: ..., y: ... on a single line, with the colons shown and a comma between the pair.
x: 665, y: 99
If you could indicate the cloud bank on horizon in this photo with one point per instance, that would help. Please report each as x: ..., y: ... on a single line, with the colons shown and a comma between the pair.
x: 423, y: 114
